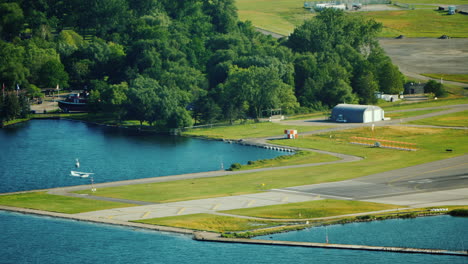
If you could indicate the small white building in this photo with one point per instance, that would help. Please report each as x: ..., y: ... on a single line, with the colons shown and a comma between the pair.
x: 351, y: 113
x: 319, y: 7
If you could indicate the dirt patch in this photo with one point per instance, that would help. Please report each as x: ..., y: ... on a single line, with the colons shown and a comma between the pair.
x: 428, y: 55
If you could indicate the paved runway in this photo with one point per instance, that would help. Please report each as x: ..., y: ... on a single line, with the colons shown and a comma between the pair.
x: 435, y: 178
x: 437, y: 183
x: 211, y: 205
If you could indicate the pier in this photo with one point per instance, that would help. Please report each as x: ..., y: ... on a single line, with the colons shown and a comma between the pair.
x: 211, y: 237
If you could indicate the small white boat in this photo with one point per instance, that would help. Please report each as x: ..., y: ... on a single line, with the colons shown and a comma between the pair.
x: 80, y: 174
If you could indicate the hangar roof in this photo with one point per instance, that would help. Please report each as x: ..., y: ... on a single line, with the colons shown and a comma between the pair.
x: 356, y: 108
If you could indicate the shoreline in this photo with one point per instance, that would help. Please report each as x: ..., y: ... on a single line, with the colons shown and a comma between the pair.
x: 253, y: 142
x: 204, y: 236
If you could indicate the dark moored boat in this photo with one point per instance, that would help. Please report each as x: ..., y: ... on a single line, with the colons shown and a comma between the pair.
x: 75, y: 103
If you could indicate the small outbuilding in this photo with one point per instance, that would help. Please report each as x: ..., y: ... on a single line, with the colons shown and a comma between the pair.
x: 351, y: 113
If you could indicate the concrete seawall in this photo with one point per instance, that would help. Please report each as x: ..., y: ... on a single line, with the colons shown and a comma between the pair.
x: 97, y: 220
x: 214, y: 237
x: 210, y: 237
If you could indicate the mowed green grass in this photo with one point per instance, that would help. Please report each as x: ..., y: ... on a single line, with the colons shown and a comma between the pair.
x: 459, y: 119
x: 419, y: 23
x: 283, y: 16
x: 400, y: 105
x: 463, y: 78
x: 431, y: 143
x: 399, y: 115
x: 279, y: 16
x: 208, y: 222
x: 302, y: 157
x: 436, y: 2
x: 56, y: 203
x: 255, y: 130
x: 312, y: 209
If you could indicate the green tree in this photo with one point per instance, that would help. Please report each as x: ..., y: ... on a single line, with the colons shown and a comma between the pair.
x: 259, y: 88
x: 206, y: 110
x: 390, y: 79
x: 12, y: 69
x: 110, y: 99
x: 152, y: 102
x: 11, y: 20
x: 365, y: 87
x: 223, y: 14
x: 180, y: 118
x: 52, y: 73
x: 436, y: 88
x: 35, y: 57
x: 332, y: 28
x: 305, y: 68
x: 141, y: 102
x: 11, y: 107
x: 24, y: 106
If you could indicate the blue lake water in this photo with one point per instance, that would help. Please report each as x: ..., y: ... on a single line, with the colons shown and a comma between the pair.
x: 40, y: 154
x: 31, y: 239
x: 441, y: 232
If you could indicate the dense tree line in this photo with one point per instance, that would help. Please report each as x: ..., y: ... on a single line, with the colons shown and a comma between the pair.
x: 173, y: 63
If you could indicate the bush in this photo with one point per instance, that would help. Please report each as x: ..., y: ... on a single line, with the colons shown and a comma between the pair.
x: 409, y: 215
x: 235, y: 166
x: 436, y: 88
x: 459, y: 212
x: 365, y: 217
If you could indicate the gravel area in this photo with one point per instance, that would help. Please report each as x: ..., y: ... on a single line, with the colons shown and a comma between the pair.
x: 428, y: 55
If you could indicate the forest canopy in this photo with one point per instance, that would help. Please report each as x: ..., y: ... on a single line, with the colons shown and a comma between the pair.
x: 176, y: 63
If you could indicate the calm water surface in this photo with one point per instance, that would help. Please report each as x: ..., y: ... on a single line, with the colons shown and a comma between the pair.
x: 40, y: 154
x: 31, y: 239
x: 439, y: 232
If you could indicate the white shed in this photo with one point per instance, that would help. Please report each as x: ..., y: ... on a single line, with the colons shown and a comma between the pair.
x: 351, y: 113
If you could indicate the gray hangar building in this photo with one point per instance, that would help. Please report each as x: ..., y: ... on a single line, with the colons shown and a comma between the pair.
x: 351, y: 113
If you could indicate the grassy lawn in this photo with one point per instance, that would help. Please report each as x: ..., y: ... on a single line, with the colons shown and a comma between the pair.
x: 406, y: 114
x: 301, y: 157
x: 254, y: 130
x: 208, y: 222
x: 56, y: 203
x: 435, y: 2
x: 284, y: 15
x: 317, y: 115
x: 280, y: 16
x: 15, y: 121
x: 419, y: 23
x: 459, y: 119
x: 376, y: 160
x: 463, y: 78
x: 399, y: 105
x: 312, y: 209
